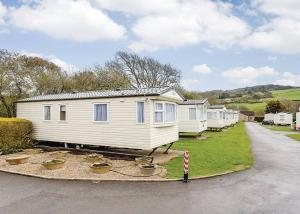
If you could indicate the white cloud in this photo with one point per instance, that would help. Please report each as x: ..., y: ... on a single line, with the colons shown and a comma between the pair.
x: 3, y: 13
x: 202, y: 69
x: 282, y: 33
x: 66, y: 19
x: 289, y: 79
x: 68, y: 67
x: 189, y: 83
x: 283, y: 8
x: 138, y: 7
x: 248, y: 75
x: 177, y: 23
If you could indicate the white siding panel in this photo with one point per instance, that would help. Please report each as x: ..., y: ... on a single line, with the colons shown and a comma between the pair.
x: 79, y: 128
x: 173, y: 95
x: 187, y: 125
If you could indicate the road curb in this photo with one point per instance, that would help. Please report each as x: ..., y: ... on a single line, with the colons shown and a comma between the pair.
x: 126, y: 180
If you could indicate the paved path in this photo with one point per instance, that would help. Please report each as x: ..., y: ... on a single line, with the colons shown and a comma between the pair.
x: 272, y: 186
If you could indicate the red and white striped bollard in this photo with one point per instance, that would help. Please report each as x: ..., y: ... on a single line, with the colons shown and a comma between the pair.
x: 186, y: 167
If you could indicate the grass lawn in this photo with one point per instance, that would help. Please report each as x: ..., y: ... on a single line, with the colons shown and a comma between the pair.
x: 289, y: 94
x: 294, y: 136
x: 279, y: 128
x: 221, y: 152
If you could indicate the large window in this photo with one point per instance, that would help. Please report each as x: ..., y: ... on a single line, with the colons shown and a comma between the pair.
x: 101, y: 112
x: 170, y: 112
x: 192, y: 114
x: 164, y: 112
x: 47, y: 112
x: 140, y: 112
x: 62, y: 113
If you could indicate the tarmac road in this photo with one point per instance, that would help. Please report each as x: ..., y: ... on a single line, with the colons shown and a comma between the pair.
x: 271, y: 186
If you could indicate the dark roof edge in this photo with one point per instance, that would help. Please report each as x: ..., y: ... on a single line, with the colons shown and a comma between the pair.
x: 87, y: 98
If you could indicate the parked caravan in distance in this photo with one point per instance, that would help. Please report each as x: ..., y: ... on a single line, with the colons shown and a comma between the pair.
x: 269, y: 119
x: 283, y: 118
x: 192, y: 116
x: 216, y: 117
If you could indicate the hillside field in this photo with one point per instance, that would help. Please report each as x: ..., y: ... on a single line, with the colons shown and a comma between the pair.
x: 258, y: 108
x: 288, y: 94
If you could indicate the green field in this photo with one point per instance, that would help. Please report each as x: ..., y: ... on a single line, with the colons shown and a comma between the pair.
x: 221, y: 152
x: 294, y: 136
x: 258, y: 108
x: 289, y: 94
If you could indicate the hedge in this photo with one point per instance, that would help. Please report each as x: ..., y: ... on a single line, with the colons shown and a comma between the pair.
x: 15, y: 135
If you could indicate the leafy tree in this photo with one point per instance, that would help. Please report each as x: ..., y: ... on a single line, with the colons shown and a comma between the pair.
x: 274, y: 106
x: 22, y: 76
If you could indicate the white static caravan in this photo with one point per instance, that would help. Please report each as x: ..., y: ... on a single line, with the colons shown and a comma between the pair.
x: 298, y: 120
x: 269, y: 118
x: 192, y: 116
x: 132, y: 118
x: 216, y: 116
x: 283, y: 118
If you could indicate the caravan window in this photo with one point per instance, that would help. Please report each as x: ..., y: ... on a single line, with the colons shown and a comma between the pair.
x: 101, y: 112
x: 62, y: 113
x: 159, y: 113
x: 47, y: 112
x: 281, y: 117
x: 140, y: 112
x: 164, y: 112
x: 192, y: 114
x: 170, y: 112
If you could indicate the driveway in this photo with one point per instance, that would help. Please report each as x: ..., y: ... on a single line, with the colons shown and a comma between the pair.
x: 271, y: 186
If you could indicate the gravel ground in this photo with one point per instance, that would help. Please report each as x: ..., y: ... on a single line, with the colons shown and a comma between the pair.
x: 77, y: 168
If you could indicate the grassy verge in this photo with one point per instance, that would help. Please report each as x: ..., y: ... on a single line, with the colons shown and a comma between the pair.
x: 279, y: 128
x: 294, y: 136
x: 221, y: 152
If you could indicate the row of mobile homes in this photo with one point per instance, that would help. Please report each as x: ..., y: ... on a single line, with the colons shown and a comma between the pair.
x: 192, y: 116
x: 283, y: 119
x: 216, y: 117
x: 131, y: 118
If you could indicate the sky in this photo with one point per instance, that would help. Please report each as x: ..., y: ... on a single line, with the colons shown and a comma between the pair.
x: 216, y: 44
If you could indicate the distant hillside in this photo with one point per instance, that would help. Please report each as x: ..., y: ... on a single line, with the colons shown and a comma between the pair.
x: 289, y: 94
x: 255, y: 92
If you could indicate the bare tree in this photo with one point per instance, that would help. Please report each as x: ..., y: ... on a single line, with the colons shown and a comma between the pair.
x: 145, y: 71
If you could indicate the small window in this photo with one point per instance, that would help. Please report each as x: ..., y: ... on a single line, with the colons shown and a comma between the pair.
x: 101, y: 112
x: 159, y: 113
x: 62, y: 113
x: 170, y: 112
x: 192, y: 113
x: 47, y: 112
x: 140, y: 112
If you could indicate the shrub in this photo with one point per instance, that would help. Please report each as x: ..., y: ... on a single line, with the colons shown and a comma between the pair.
x: 15, y: 135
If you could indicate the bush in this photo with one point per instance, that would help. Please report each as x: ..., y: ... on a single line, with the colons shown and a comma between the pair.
x: 259, y: 119
x: 15, y: 135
